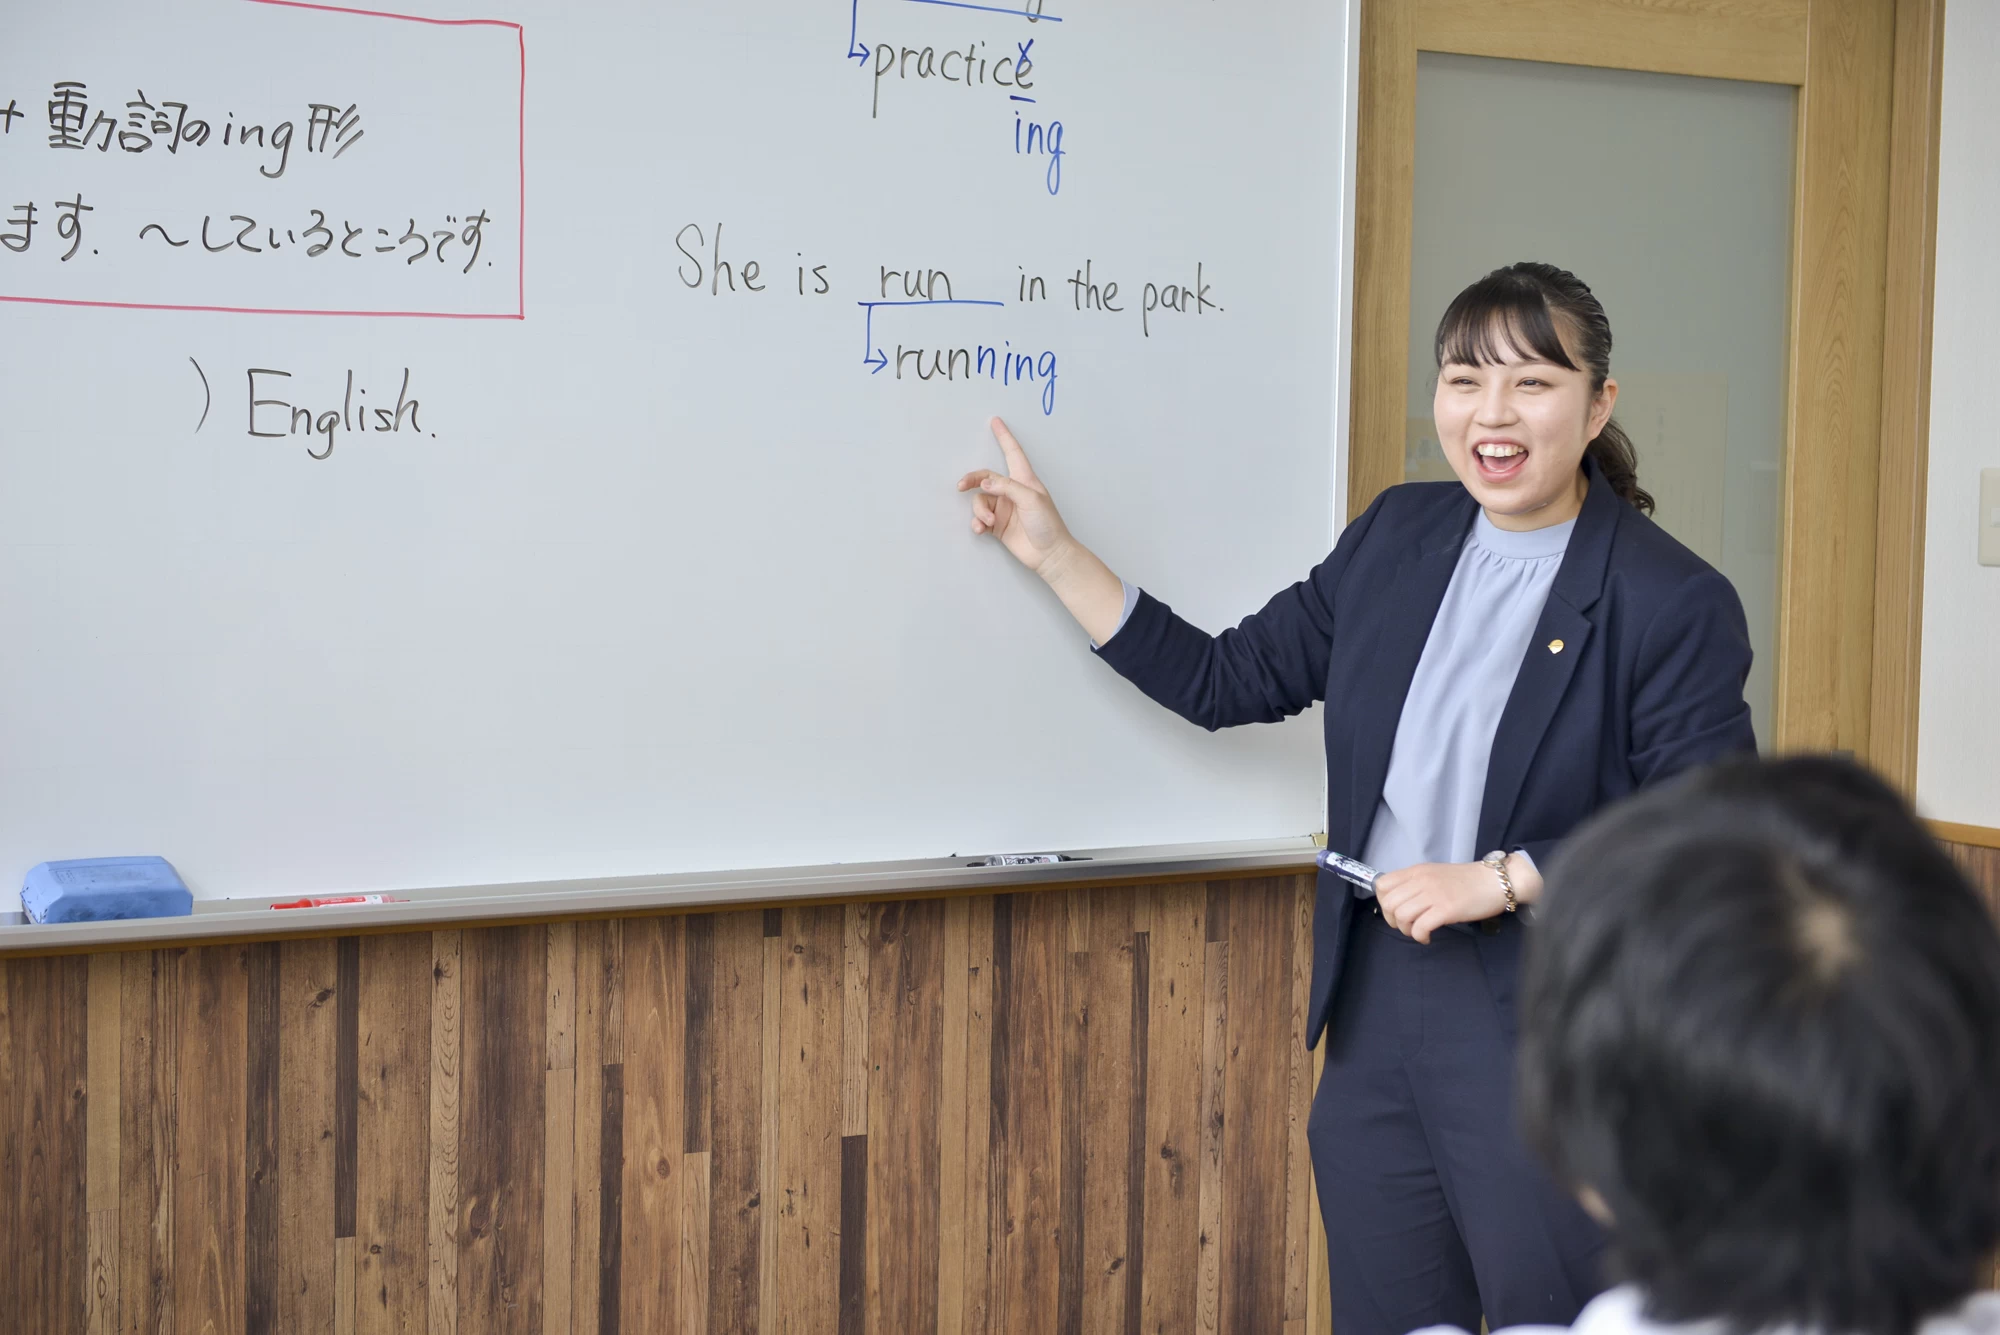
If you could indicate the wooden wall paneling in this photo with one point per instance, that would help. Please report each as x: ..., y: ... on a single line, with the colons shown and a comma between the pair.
x: 586, y: 1203
x: 805, y: 1214
x: 982, y: 1221
x: 1177, y: 965
x: 261, y: 1118
x: 905, y: 1046
x: 559, y: 1134
x: 1896, y: 676
x: 954, y: 1109
x: 104, y: 1095
x: 1981, y: 866
x: 1385, y: 176
x: 1138, y: 1078
x: 1027, y: 1096
x: 500, y: 1134
x: 149, y: 1070
x: 1214, y: 1093
x: 1840, y: 224
x: 1099, y: 1075
x: 44, y: 1073
x: 770, y: 1301
x: 447, y: 1061
x: 652, y: 1132
x: 307, y: 1016
x: 1759, y: 40
x: 1302, y: 1079
x: 209, y: 1107
x: 392, y: 1260
x: 736, y: 1132
x: 1257, y: 1097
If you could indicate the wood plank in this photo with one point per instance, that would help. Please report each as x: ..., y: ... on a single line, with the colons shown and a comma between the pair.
x: 1896, y: 677
x: 770, y: 1300
x: 447, y: 1060
x: 100, y: 1299
x: 44, y: 1128
x: 611, y: 1198
x: 1027, y: 1079
x: 698, y: 1063
x: 346, y: 1069
x: 1174, y: 1032
x: 1834, y: 414
x: 106, y: 1027
x: 343, y: 1286
x: 906, y: 1048
x: 558, y: 1199
x: 1214, y: 1077
x: 653, y: 1132
x: 500, y: 1130
x: 561, y: 1022
x: 614, y: 992
x: 392, y: 1134
x: 587, y: 1148
x: 1319, y: 1287
x: 736, y: 1136
x: 1299, y: 1203
x: 978, y: 1195
x: 151, y: 1022
x: 695, y: 1219
x: 953, y: 1112
x: 854, y: 1031
x: 1260, y: 1046
x: 1384, y: 177
x: 807, y: 1213
x: 1759, y: 40
x: 1103, y: 1004
x: 209, y: 1115
x: 1140, y: 1009
x: 853, y: 1234
x: 308, y: 973
x: 262, y: 1115
x: 1075, y: 1021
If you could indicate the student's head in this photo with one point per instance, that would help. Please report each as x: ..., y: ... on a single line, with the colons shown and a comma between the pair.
x: 1761, y: 1030
x: 1524, y: 389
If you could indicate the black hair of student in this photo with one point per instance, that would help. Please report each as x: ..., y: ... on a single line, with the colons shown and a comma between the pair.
x: 1761, y: 1019
x: 1517, y: 309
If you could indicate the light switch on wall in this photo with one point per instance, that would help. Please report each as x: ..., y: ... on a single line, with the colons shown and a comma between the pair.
x: 1989, y: 517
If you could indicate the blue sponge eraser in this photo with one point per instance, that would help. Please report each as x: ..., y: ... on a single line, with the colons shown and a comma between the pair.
x: 96, y: 889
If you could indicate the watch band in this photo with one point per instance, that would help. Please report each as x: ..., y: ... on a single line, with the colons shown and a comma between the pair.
x: 1497, y: 860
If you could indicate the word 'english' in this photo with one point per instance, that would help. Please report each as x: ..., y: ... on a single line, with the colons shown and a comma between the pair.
x: 352, y: 416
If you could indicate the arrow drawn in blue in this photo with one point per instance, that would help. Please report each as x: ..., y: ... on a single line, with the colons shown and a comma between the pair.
x: 873, y: 357
x: 855, y: 51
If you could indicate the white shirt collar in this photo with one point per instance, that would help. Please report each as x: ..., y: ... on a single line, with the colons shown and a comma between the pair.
x: 1621, y: 1311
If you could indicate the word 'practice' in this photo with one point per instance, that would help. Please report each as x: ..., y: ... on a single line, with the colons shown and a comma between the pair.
x: 354, y: 415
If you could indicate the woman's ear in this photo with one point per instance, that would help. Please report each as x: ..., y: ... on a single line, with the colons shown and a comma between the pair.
x: 1600, y: 408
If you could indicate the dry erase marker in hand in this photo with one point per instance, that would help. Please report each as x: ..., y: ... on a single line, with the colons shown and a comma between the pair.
x: 1358, y: 874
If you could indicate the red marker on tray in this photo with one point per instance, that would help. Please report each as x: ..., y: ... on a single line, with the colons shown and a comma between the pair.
x: 328, y: 901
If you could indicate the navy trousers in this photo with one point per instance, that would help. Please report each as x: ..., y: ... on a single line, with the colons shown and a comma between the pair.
x: 1435, y: 1211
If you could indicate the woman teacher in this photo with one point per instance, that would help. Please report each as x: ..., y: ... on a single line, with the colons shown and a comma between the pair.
x: 1499, y: 657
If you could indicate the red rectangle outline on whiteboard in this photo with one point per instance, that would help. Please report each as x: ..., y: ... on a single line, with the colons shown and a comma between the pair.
x: 520, y: 311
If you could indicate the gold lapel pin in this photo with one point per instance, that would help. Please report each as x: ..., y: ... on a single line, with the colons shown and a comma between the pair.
x: 1555, y: 646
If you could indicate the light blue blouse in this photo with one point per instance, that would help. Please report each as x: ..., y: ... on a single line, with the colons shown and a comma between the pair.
x: 1437, y: 772
x: 1429, y: 810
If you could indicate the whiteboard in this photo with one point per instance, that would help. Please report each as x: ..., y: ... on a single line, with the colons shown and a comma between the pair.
x: 395, y: 491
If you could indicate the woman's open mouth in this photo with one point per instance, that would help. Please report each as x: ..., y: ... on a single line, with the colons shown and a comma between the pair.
x: 1499, y: 460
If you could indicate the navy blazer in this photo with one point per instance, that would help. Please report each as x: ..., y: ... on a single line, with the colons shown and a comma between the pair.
x: 1648, y: 682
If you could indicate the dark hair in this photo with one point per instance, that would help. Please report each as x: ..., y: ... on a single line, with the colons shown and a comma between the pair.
x: 1516, y: 308
x: 1761, y: 1019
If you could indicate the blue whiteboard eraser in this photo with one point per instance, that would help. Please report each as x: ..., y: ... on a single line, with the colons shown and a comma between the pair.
x: 99, y: 889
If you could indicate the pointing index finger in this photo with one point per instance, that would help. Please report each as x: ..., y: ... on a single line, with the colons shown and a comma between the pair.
x: 1018, y: 466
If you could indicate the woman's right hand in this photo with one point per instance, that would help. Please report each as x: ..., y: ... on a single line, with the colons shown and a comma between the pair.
x: 1015, y: 507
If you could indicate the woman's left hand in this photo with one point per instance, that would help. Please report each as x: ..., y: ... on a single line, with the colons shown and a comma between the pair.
x: 1418, y: 900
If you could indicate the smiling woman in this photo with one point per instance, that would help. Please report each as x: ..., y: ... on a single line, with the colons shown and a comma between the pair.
x: 1500, y: 656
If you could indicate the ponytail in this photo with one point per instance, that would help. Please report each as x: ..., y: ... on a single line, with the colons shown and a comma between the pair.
x: 1619, y: 462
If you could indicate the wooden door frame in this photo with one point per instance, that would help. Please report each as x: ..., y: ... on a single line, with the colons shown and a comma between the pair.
x: 1863, y: 241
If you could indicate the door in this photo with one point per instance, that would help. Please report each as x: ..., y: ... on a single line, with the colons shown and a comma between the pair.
x: 1748, y: 189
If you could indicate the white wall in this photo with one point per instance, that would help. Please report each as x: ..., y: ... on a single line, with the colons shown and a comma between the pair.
x: 1958, y: 759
